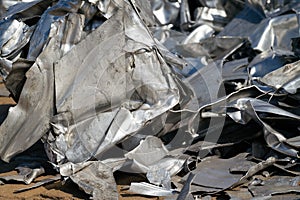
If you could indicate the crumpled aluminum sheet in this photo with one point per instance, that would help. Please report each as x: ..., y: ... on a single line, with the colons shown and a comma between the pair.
x: 277, y: 185
x: 165, y: 12
x: 39, y: 103
x: 286, y: 77
x: 25, y: 175
x: 209, y: 169
x: 101, y: 186
x: 273, y: 137
x: 273, y: 36
x: 151, y: 190
x: 6, y: 4
x: 201, y: 91
x: 118, y: 114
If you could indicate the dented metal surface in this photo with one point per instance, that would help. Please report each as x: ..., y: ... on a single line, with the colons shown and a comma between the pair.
x: 151, y: 190
x: 201, y: 97
x: 118, y: 109
x: 101, y: 185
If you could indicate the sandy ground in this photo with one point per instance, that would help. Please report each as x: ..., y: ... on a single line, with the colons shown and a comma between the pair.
x: 57, y: 190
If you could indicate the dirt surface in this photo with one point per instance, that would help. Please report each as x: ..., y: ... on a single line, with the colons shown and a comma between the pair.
x: 51, y: 191
x: 58, y: 190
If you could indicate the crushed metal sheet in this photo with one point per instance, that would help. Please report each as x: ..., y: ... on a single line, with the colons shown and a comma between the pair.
x: 276, y: 185
x: 207, y: 90
x: 150, y: 190
x: 216, y: 170
x: 25, y: 175
x: 254, y: 169
x: 249, y: 110
x: 30, y: 118
x: 39, y: 184
x: 118, y: 114
x: 240, y: 193
x: 93, y: 177
x: 286, y: 77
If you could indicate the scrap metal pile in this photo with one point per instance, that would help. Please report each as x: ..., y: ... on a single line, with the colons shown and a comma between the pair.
x: 201, y: 97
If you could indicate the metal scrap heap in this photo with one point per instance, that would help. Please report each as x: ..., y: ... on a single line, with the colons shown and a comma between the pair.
x: 199, y: 97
